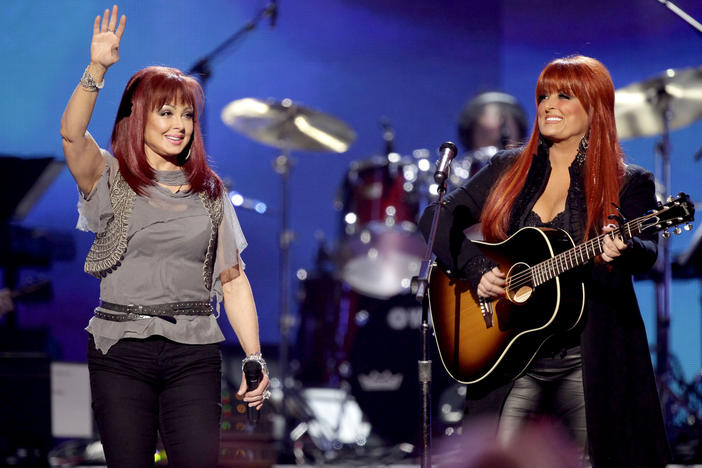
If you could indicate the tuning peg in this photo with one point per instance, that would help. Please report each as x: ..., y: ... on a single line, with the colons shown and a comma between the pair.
x: 665, y: 234
x: 687, y: 227
x: 677, y: 230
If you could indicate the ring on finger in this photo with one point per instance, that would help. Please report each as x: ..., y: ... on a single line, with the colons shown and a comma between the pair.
x: 266, y: 394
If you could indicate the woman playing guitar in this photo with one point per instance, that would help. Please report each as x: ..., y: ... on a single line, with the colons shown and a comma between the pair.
x: 594, y: 374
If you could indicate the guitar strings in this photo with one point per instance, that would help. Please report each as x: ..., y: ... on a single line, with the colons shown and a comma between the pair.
x: 526, y: 277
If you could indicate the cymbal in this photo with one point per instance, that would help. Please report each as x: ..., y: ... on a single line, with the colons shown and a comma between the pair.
x: 639, y: 108
x: 287, y: 125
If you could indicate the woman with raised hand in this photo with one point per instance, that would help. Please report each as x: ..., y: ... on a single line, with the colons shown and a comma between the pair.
x: 168, y: 244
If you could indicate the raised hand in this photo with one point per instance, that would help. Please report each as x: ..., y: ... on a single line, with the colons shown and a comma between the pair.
x: 107, y: 34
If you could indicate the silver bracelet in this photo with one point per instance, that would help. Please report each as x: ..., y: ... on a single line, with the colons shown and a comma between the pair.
x: 88, y: 82
x: 256, y: 357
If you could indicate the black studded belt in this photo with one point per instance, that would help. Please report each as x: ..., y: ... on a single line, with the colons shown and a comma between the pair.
x: 164, y: 311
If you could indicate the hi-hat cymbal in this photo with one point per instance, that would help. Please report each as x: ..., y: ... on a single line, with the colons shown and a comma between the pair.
x: 640, y: 107
x: 287, y: 125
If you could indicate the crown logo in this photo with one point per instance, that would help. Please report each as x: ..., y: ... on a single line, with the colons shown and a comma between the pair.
x: 384, y: 381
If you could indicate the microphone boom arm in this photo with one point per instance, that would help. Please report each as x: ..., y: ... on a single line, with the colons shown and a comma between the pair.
x: 202, y: 66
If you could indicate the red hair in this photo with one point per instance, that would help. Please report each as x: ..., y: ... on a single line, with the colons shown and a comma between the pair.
x: 589, y: 81
x: 148, y: 90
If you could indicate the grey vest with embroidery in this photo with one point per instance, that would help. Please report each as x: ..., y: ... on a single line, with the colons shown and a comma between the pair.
x: 108, y: 249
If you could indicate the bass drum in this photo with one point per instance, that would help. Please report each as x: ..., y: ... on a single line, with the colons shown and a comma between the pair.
x: 382, y: 366
x: 380, y: 249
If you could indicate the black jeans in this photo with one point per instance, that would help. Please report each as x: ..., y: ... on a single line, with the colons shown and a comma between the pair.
x: 141, y: 387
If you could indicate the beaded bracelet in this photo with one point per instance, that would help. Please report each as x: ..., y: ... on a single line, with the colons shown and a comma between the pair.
x: 88, y: 82
x: 257, y: 357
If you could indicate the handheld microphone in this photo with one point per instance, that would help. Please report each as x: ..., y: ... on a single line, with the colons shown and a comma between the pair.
x: 447, y: 152
x: 253, y: 374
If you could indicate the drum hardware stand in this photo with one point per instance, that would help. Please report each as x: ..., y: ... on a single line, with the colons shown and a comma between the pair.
x: 419, y: 287
x: 664, y: 277
x: 663, y: 165
x: 282, y: 166
x: 665, y: 269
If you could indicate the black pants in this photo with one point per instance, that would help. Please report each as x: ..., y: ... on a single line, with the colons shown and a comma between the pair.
x: 143, y: 386
x: 552, y: 386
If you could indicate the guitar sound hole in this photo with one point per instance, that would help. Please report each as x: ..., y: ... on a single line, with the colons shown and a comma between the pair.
x: 515, y: 277
x: 521, y: 295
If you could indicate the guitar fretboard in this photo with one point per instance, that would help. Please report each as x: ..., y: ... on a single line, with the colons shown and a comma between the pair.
x: 673, y: 213
x: 580, y: 254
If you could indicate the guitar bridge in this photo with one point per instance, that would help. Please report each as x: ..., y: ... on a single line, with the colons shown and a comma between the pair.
x: 486, y: 310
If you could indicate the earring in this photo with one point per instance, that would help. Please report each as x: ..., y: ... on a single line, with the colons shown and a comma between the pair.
x: 183, y: 159
x: 584, y: 142
x: 582, y: 148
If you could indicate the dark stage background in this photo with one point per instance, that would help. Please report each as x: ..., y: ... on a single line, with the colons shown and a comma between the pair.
x: 413, y: 62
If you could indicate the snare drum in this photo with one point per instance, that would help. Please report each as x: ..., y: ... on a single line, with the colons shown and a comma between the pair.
x: 380, y: 249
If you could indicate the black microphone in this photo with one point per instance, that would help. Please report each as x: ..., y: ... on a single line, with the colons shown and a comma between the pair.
x: 273, y: 12
x: 253, y: 374
x: 447, y: 152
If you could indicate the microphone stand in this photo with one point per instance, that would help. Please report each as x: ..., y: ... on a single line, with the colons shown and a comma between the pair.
x: 202, y: 67
x: 420, y: 284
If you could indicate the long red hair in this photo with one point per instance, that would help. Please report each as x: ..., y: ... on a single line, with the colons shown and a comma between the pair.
x: 146, y: 91
x: 588, y: 80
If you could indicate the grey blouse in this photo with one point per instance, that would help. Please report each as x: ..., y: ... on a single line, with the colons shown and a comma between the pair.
x: 167, y: 241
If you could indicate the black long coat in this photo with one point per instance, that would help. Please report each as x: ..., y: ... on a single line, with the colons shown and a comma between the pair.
x: 624, y: 422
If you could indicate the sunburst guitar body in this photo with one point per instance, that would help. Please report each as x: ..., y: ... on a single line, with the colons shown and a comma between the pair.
x: 484, y: 343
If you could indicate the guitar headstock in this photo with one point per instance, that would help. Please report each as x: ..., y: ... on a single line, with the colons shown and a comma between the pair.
x: 671, y: 214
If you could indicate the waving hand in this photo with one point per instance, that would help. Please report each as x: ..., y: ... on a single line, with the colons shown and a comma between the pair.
x: 83, y: 156
x: 107, y: 34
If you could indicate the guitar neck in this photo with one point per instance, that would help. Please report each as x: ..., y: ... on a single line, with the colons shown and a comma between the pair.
x: 583, y: 253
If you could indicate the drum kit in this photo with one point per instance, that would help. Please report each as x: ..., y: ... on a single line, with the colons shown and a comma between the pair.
x: 357, y: 298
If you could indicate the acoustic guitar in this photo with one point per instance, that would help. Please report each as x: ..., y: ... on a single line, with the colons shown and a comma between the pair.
x: 484, y: 343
